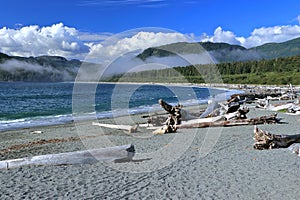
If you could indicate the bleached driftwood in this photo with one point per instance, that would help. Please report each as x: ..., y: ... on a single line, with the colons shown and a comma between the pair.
x: 289, y: 107
x: 172, y: 124
x: 265, y: 140
x: 174, y: 118
x: 155, y: 120
x: 36, y: 132
x: 295, y: 148
x: 262, y: 103
x: 295, y: 108
x: 239, y: 114
x: 130, y: 129
x: 281, y: 107
x: 71, y: 158
x: 236, y: 122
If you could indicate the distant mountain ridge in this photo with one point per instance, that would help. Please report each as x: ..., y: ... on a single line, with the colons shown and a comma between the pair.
x: 57, y: 68
x: 37, y: 69
x: 224, y: 52
x: 279, y: 50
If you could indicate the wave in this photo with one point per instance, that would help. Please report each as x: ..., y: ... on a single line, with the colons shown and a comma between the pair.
x: 142, y: 103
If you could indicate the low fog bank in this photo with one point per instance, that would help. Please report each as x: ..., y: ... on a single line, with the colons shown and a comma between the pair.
x: 131, y: 63
x: 16, y: 70
x: 58, y: 69
x: 224, y: 55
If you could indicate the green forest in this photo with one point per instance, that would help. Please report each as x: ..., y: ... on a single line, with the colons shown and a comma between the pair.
x: 279, y: 71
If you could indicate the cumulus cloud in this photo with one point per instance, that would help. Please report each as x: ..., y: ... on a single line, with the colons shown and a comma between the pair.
x: 116, y: 47
x: 258, y: 36
x: 61, y: 40
x: 223, y: 36
x: 34, y: 41
x: 272, y: 34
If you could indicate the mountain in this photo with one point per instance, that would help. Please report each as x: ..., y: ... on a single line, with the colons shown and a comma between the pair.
x: 223, y: 52
x: 56, y: 68
x: 37, y: 69
x: 220, y: 52
x: 278, y: 50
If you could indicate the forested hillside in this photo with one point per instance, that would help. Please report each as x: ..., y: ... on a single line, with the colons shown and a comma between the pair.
x: 37, y: 69
x: 280, y: 71
x: 274, y: 63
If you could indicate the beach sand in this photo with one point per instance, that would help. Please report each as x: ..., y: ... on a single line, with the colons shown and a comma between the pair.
x: 170, y: 166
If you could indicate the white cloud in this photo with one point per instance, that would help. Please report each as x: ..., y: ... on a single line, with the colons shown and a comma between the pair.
x: 34, y: 41
x: 223, y: 36
x: 116, y: 47
x: 272, y: 34
x: 258, y: 36
x: 61, y: 40
x: 69, y: 42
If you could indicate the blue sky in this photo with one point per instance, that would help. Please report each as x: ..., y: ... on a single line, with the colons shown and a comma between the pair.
x: 247, y: 23
x: 187, y: 16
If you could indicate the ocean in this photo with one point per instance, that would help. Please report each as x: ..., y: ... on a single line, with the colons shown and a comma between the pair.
x: 25, y: 105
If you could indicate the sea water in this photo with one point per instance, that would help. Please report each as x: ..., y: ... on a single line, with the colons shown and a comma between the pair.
x: 26, y: 104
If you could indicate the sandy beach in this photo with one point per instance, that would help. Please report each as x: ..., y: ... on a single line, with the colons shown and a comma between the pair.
x: 170, y: 166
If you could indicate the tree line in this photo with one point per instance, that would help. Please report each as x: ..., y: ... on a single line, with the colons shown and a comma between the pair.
x: 279, y: 71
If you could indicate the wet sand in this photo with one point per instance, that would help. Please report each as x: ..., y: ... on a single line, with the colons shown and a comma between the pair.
x: 208, y: 163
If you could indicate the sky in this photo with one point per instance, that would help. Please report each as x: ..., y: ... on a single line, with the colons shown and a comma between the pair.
x: 77, y: 28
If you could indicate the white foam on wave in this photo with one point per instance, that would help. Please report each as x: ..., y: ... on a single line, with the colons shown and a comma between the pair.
x: 7, y: 124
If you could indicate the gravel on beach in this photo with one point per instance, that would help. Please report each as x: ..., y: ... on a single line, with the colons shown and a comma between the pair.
x: 208, y: 163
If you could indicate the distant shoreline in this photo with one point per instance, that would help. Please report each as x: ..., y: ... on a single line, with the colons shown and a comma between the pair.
x: 222, y: 85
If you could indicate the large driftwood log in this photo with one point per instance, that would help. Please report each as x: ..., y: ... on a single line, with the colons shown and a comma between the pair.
x: 130, y: 129
x: 265, y: 140
x: 174, y: 111
x: 237, y: 122
x: 172, y: 124
x: 173, y: 119
x: 71, y: 158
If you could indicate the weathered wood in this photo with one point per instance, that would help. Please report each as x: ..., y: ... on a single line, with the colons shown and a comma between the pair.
x: 174, y: 111
x: 173, y: 119
x: 238, y: 122
x: 281, y: 107
x: 172, y: 123
x: 156, y: 120
x: 71, y: 158
x: 249, y: 97
x: 295, y: 148
x: 130, y: 129
x: 265, y: 140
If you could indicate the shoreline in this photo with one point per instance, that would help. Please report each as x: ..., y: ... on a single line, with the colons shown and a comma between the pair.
x: 203, y: 163
x: 224, y: 87
x: 231, y: 169
x: 23, y: 123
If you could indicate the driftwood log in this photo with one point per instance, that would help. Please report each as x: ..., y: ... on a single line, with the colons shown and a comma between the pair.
x: 265, y: 140
x: 234, y: 122
x: 130, y: 129
x: 174, y: 111
x: 156, y: 119
x: 174, y: 120
x: 70, y: 158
